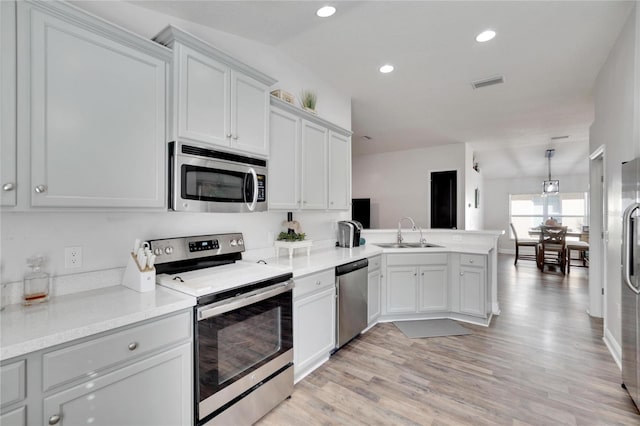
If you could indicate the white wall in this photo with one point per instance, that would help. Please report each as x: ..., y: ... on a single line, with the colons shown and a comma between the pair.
x: 615, y: 126
x: 106, y: 237
x: 496, y: 200
x: 398, y: 182
x: 473, y: 180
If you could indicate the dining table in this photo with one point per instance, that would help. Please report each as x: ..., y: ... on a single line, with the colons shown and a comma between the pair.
x: 581, y: 235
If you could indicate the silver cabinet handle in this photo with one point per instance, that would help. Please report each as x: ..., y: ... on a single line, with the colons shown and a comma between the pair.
x: 8, y: 186
x: 40, y: 189
x: 332, y: 203
x: 415, y: 274
x: 461, y: 273
x: 318, y: 283
x: 235, y: 137
x: 422, y: 274
x: 133, y: 346
x: 470, y: 260
x: 229, y: 136
x: 53, y: 420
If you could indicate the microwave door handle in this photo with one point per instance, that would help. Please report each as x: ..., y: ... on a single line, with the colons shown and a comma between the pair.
x: 252, y: 206
x: 626, y: 246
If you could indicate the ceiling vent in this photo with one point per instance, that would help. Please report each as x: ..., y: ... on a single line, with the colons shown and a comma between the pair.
x: 499, y: 79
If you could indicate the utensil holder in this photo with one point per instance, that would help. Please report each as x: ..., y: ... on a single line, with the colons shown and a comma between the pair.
x: 141, y: 280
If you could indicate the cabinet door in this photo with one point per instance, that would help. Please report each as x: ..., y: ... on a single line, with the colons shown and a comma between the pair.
x: 314, y: 166
x: 401, y: 289
x: 95, y: 114
x: 433, y: 288
x: 314, y: 328
x: 203, y: 98
x: 17, y: 417
x: 154, y: 391
x: 8, y: 178
x: 339, y: 172
x: 249, y: 114
x: 373, y: 295
x: 284, y: 161
x: 472, y: 291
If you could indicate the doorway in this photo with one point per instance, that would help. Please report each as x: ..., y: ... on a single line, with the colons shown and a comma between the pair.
x: 444, y: 199
x: 597, y: 231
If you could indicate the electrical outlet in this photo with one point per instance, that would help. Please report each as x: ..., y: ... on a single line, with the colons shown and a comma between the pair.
x: 73, y: 257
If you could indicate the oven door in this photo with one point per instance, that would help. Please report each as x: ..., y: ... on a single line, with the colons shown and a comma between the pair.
x: 240, y: 343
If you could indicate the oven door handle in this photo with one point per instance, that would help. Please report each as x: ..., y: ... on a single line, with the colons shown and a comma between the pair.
x: 243, y: 300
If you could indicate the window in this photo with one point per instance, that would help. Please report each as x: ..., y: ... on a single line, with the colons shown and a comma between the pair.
x: 528, y: 211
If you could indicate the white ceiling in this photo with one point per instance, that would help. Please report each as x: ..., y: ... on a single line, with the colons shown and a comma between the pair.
x: 550, y: 53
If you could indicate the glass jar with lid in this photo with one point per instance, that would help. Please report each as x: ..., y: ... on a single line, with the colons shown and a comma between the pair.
x: 36, y: 282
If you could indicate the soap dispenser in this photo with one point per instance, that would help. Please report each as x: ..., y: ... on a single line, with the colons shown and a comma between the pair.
x: 36, y: 282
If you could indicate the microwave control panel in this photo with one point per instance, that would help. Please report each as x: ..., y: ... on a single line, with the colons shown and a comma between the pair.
x: 261, y: 185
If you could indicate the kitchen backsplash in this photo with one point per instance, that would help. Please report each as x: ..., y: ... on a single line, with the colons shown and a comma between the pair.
x: 106, y: 237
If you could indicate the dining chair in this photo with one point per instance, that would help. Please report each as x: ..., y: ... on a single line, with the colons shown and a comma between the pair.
x: 524, y: 243
x: 552, y: 248
x: 582, y: 248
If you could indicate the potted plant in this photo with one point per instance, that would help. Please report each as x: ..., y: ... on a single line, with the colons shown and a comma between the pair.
x: 308, y: 100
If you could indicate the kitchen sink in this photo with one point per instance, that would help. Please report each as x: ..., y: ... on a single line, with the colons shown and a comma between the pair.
x: 405, y: 245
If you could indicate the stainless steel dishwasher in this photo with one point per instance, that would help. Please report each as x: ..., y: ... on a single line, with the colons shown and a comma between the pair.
x: 351, y: 310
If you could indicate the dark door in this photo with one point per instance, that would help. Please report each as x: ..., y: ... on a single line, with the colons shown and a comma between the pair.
x: 444, y: 196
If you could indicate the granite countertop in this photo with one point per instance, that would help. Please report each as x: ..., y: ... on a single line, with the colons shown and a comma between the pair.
x: 62, y: 319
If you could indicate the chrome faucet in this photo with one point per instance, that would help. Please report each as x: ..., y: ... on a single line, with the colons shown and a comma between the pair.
x: 413, y: 227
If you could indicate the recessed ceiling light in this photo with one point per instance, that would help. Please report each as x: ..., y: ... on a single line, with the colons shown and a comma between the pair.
x: 326, y: 11
x: 386, y: 69
x: 485, y: 36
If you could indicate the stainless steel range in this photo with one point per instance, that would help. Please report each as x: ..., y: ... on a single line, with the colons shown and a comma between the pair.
x: 243, y: 326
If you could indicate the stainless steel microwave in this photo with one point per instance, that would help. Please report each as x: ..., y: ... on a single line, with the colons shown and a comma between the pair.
x: 206, y: 180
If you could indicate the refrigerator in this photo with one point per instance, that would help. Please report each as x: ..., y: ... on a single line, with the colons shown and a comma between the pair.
x: 631, y: 279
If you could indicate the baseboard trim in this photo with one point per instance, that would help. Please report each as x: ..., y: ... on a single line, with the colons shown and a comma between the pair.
x: 614, y: 348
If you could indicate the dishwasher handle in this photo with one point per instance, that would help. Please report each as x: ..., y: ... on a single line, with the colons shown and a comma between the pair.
x: 350, y: 267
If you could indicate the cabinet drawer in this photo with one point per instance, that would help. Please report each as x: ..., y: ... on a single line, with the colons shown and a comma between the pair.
x: 313, y: 282
x: 417, y: 259
x: 374, y: 263
x: 473, y: 260
x: 12, y: 382
x: 90, y: 357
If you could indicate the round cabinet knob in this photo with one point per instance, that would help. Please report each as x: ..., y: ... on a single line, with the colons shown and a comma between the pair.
x: 318, y: 283
x: 133, y: 346
x: 461, y: 274
x: 470, y: 260
x: 228, y: 135
x: 235, y: 137
x: 168, y: 250
x: 40, y: 189
x: 415, y: 274
x: 54, y: 420
x: 422, y: 274
x: 157, y: 251
x: 233, y: 243
x: 240, y: 242
x: 10, y: 186
x: 332, y: 203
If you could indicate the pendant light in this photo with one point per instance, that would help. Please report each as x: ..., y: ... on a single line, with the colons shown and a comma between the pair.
x: 550, y: 186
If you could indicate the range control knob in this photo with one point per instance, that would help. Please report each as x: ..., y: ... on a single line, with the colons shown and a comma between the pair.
x: 233, y: 243
x: 157, y: 251
x: 240, y: 242
x: 168, y: 250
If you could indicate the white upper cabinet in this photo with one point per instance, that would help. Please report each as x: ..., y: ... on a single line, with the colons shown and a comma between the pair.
x: 310, y: 161
x: 8, y: 178
x: 314, y: 166
x: 216, y: 99
x: 339, y: 172
x: 203, y: 96
x: 284, y: 162
x: 92, y: 109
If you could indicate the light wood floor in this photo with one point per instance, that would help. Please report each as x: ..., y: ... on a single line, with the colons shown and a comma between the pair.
x: 541, y: 362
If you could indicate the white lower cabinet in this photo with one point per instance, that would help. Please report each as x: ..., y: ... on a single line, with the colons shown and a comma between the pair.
x: 314, y: 321
x: 374, y: 289
x: 472, y: 285
x: 140, y: 374
x: 417, y: 283
x: 153, y: 391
